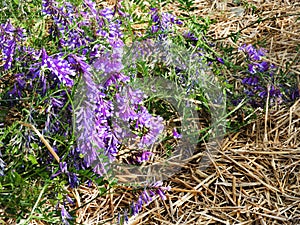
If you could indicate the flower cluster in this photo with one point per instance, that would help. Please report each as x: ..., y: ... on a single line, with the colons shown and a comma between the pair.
x: 65, y: 18
x: 163, y: 21
x: 65, y: 215
x: 259, y: 82
x: 92, y: 119
x: 145, y: 198
x: 41, y: 71
x: 59, y: 67
x: 96, y: 133
x: 88, y: 48
x: 9, y: 39
x: 146, y: 126
x: 72, y: 178
x: 2, y: 163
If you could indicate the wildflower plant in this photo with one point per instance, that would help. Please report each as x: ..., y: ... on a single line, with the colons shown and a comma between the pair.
x: 260, y: 73
x: 91, y: 102
x: 76, y: 90
x: 262, y: 83
x: 52, y: 74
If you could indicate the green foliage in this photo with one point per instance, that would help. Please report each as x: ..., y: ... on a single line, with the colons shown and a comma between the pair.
x: 26, y: 191
x: 187, y: 5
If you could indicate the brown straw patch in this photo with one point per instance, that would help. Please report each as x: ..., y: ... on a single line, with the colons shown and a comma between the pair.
x: 249, y: 181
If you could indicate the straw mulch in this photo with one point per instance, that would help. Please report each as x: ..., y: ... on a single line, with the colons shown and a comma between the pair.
x: 255, y: 176
x: 274, y: 25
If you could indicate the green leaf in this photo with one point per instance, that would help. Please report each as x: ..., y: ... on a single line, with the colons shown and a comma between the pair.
x: 16, y: 179
x: 34, y: 146
x: 32, y: 159
x: 60, y: 196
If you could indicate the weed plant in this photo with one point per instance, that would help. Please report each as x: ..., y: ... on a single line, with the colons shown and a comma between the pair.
x: 49, y: 51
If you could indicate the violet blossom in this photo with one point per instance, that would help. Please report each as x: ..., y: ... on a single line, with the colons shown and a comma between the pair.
x: 65, y: 215
x: 162, y: 22
x: 220, y: 60
x: 253, y: 53
x: 176, y: 134
x: 2, y: 163
x: 260, y: 75
x: 97, y: 140
x: 147, y: 196
x: 190, y: 36
x: 92, y: 119
x: 9, y: 42
x: 60, y: 67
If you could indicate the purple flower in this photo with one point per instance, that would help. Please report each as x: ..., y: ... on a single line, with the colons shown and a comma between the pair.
x: 153, y: 125
x: 154, y: 28
x: 141, y: 157
x: 92, y: 7
x: 158, y: 184
x: 109, y: 64
x: 46, y: 6
x: 94, y: 132
x: 251, y: 68
x: 72, y: 177
x: 161, y: 194
x: 115, y: 79
x: 167, y: 20
x: 73, y: 180
x: 65, y: 216
x: 220, y: 60
x: 146, y: 196
x: 134, y: 209
x: 130, y: 111
x: 250, y: 80
x: 60, y: 67
x: 273, y: 93
x: 19, y: 85
x: 154, y: 15
x: 56, y: 102
x: 252, y: 52
x: 145, y: 156
x: 70, y: 36
x: 63, y: 167
x: 176, y: 134
x: 107, y: 13
x: 125, y: 110
x: 189, y: 35
x: 162, y: 22
x: 70, y: 200
x: 263, y: 66
x: 10, y: 40
x: 116, y: 43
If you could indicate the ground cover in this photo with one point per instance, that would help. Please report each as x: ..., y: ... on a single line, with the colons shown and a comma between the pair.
x: 58, y: 120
